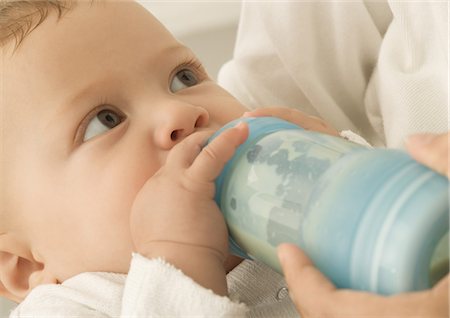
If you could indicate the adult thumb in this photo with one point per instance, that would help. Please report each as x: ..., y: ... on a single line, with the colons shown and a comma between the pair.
x: 302, y: 276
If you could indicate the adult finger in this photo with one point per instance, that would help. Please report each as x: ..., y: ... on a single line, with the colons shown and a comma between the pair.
x: 292, y: 115
x: 295, y: 116
x: 431, y: 150
x: 315, y: 296
x: 307, y: 285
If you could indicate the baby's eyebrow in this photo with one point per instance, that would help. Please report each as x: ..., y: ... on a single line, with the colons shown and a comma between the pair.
x: 75, y: 98
x: 170, y: 52
x: 177, y: 50
x: 70, y: 103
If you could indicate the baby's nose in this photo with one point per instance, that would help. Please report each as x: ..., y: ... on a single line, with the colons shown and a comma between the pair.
x: 179, y: 124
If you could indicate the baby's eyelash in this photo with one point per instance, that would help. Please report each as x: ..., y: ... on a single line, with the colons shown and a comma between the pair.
x: 193, y: 64
x: 102, y: 100
x: 102, y: 103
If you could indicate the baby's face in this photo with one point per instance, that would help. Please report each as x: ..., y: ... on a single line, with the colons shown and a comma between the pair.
x: 92, y: 106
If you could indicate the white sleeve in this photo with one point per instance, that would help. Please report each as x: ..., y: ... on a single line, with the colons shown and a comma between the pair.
x: 157, y: 289
x: 378, y: 68
x: 408, y: 92
x: 314, y: 56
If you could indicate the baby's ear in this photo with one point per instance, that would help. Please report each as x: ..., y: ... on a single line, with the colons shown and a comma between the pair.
x: 19, y: 275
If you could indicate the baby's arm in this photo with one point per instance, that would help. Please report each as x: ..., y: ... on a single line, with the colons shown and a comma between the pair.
x: 174, y: 216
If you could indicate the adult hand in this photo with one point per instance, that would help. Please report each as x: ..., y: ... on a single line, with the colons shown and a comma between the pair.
x: 295, y: 116
x: 431, y: 150
x: 316, y: 297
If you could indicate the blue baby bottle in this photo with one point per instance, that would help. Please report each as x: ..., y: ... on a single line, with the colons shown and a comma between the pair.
x: 370, y: 219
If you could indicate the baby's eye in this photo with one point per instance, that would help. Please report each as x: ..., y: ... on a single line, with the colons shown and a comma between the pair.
x: 183, y: 79
x: 105, y: 120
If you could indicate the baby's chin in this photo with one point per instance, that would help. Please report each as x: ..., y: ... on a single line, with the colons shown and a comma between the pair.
x: 231, y: 262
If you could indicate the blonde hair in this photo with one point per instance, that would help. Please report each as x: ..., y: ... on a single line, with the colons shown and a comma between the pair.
x: 18, y: 18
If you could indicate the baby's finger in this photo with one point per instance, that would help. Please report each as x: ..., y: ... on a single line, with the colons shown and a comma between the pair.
x: 211, y: 160
x: 185, y: 152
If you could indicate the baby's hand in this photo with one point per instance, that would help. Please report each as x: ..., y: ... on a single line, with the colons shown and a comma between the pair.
x: 174, y: 215
x: 296, y: 117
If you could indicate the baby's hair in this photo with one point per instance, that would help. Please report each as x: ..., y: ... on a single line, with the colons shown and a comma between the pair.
x: 18, y: 18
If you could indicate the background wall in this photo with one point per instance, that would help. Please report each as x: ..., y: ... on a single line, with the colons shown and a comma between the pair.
x: 207, y: 27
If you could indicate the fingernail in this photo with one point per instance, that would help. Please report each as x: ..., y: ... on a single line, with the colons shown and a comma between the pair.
x: 420, y: 139
x: 246, y: 114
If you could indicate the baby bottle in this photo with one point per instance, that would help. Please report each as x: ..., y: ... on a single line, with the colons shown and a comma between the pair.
x: 370, y: 219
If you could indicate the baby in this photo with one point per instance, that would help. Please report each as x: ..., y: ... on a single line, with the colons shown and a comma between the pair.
x: 104, y: 116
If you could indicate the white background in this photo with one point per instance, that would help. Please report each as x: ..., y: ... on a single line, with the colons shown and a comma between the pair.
x: 207, y: 27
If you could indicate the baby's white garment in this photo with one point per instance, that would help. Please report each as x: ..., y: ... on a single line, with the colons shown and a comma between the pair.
x: 154, y: 288
x: 378, y: 68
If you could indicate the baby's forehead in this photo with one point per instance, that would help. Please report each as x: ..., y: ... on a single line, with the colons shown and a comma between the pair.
x: 113, y: 34
x: 88, y: 44
x: 87, y: 17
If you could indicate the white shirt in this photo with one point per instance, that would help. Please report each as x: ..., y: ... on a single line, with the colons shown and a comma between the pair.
x: 379, y: 69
